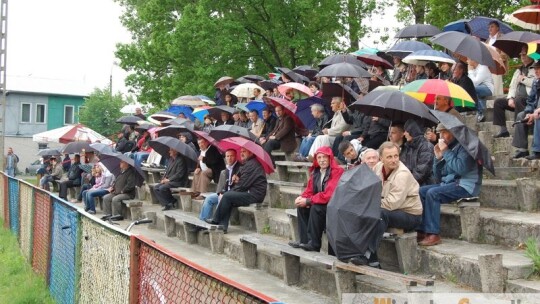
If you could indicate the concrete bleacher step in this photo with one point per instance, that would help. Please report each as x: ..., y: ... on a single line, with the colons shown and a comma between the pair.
x: 511, y: 173
x: 519, y: 194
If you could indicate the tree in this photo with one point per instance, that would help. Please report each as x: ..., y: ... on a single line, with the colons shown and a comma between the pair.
x: 101, y: 110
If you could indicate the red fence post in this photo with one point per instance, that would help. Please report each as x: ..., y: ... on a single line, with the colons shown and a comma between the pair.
x: 134, y: 248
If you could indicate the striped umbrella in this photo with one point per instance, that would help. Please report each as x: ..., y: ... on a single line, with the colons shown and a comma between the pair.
x: 426, y: 90
x: 533, y: 50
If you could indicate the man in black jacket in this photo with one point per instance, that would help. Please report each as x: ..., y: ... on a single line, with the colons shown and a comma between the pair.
x: 208, y: 168
x: 249, y: 187
x: 74, y: 177
x: 269, y: 125
x: 176, y: 175
x: 123, y: 188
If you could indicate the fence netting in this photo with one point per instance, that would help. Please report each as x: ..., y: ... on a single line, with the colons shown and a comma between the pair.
x: 14, y: 205
x: 63, y: 253
x: 164, y: 279
x: 3, y: 201
x: 41, y: 232
x: 105, y: 258
x: 26, y: 204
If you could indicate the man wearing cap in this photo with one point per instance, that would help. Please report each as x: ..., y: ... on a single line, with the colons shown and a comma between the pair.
x: 457, y: 175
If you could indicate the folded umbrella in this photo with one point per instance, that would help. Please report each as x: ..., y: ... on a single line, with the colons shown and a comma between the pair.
x: 162, y: 145
x: 226, y: 131
x: 418, y: 31
x: 344, y: 69
x: 129, y: 120
x: 424, y: 56
x: 237, y: 143
x: 77, y: 147
x: 512, y: 43
x: 112, y: 163
x: 404, y: 48
x: 426, y: 90
x: 465, y: 45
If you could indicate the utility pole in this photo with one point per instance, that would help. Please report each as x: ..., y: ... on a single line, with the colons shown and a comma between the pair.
x: 3, y: 62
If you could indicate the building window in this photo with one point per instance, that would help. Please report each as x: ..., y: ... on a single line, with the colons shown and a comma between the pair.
x: 40, y: 113
x: 68, y: 115
x: 26, y: 109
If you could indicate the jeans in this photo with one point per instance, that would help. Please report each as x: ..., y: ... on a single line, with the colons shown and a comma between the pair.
x: 89, y: 195
x: 400, y: 219
x: 228, y: 201
x: 45, y: 180
x: 139, y: 157
x: 306, y: 145
x: 482, y: 91
x: 83, y: 188
x: 432, y: 197
x: 535, y: 147
x: 209, y: 203
x: 10, y: 172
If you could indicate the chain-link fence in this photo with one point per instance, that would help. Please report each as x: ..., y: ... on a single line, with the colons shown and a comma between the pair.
x: 14, y: 205
x: 26, y: 203
x: 105, y: 259
x: 41, y: 232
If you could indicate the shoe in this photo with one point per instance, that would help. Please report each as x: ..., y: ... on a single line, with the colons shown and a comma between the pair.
x: 480, y: 118
x: 502, y: 134
x: 211, y: 221
x: 533, y: 156
x: 294, y: 244
x: 359, y: 260
x: 420, y: 236
x: 308, y: 247
x: 91, y: 211
x: 105, y: 217
x: 430, y: 240
x: 373, y: 261
x: 167, y: 207
x: 73, y: 201
x: 299, y: 158
x: 521, y: 154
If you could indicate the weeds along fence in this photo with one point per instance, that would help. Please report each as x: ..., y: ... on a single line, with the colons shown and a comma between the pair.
x: 85, y: 260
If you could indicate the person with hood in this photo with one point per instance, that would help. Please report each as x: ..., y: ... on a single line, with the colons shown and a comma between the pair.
x: 417, y: 154
x: 311, y: 204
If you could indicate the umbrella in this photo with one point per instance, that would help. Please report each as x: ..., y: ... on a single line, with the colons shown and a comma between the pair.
x: 188, y: 100
x: 103, y: 148
x: 365, y: 51
x: 49, y: 152
x: 206, y: 99
x: 112, y: 163
x: 177, y: 110
x: 158, y: 117
x: 341, y: 58
x: 237, y: 143
x: 130, y: 108
x: 424, y: 56
x: 306, y: 70
x: 223, y: 81
x: 207, y: 137
x: 499, y: 68
x: 479, y: 27
x: 374, y: 60
x: 172, y: 130
x: 245, y: 90
x: 226, y: 131
x: 215, y: 112
x: 178, y: 121
x: 461, y: 26
x: 162, y: 145
x: 257, y: 105
x: 251, y: 78
x: 352, y: 224
x: 395, y: 106
x: 293, y: 76
x: 465, y: 45
x: 512, y: 43
x: 527, y: 17
x: 288, y: 107
x: 426, y: 90
x: 404, y: 48
x: 77, y: 147
x: 128, y: 120
x: 298, y: 88
x: 303, y: 110
x: 268, y: 84
x: 418, y: 31
x: 533, y: 49
x: 144, y: 127
x: 70, y: 133
x: 467, y: 138
x: 201, y: 112
x: 344, y: 69
x: 333, y: 89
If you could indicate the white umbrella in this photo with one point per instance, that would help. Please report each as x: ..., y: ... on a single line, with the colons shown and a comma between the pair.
x: 188, y: 100
x: 69, y: 134
x: 424, y: 56
x: 245, y: 90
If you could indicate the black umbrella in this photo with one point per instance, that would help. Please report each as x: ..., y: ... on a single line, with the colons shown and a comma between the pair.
x: 112, y: 163
x: 404, y: 48
x: 465, y: 45
x: 179, y: 121
x: 418, y: 31
x: 49, y: 152
x: 395, y: 106
x: 172, y: 131
x: 340, y: 58
x: 306, y: 70
x: 344, y: 69
x: 353, y: 224
x: 215, y: 112
x: 226, y: 131
x: 144, y: 127
x: 269, y: 84
x: 467, y: 138
x: 103, y: 148
x: 334, y: 89
x: 162, y: 145
x: 250, y: 78
x: 128, y: 120
x: 77, y: 147
x: 295, y: 77
x: 512, y: 43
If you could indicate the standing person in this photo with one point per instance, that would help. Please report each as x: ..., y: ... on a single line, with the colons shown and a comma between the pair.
x: 311, y: 204
x: 483, y: 85
x: 176, y: 175
x: 123, y: 188
x: 10, y: 163
x: 55, y: 175
x: 209, y: 167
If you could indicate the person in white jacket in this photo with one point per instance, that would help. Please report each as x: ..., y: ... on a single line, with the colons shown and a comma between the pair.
x: 483, y: 84
x: 338, y: 126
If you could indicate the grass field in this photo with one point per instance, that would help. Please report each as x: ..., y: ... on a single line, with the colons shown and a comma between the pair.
x: 18, y: 283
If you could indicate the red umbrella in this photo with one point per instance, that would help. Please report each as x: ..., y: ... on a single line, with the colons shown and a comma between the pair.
x: 304, y: 90
x: 375, y: 60
x: 237, y: 143
x: 527, y: 17
x: 288, y: 107
x: 210, y: 139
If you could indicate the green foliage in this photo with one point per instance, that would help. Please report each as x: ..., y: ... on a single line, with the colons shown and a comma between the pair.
x: 101, y: 110
x: 17, y: 281
x: 532, y: 252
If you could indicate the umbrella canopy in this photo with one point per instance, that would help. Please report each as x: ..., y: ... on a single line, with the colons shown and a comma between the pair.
x: 333, y: 89
x: 71, y: 133
x: 257, y: 105
x: 245, y: 90
x: 250, y: 78
x: 374, y: 60
x: 158, y: 117
x: 77, y: 147
x: 426, y: 90
x: 215, y: 112
x: 424, y: 56
x: 162, y: 145
x: 418, y: 31
x: 527, y: 17
x: 237, y: 143
x: 365, y: 51
x: 172, y: 130
x: 512, y: 43
x: 467, y: 138
x: 201, y: 112
x: 395, y: 106
x: 344, y: 69
x: 177, y: 110
x: 352, y: 224
x: 303, y: 110
x: 49, y: 152
x: 188, y: 100
x: 306, y: 70
x: 269, y: 84
x: 341, y: 58
x: 178, y: 121
x: 226, y: 131
x: 204, y: 135
x: 299, y: 89
x: 223, y: 81
x: 293, y: 76
x: 404, y: 48
x: 479, y: 27
x: 129, y: 120
x: 533, y: 50
x: 102, y: 148
x: 144, y: 127
x: 500, y: 66
x: 460, y: 25
x: 288, y: 107
x: 112, y: 163
x: 130, y: 108
x: 465, y: 45
x: 206, y: 99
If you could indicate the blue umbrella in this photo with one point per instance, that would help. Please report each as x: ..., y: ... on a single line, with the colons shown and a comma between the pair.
x: 404, y: 48
x: 257, y: 105
x: 200, y: 114
x: 303, y: 110
x: 479, y: 27
x: 458, y: 26
x: 177, y: 109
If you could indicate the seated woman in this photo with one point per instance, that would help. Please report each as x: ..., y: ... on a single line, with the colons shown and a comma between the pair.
x: 55, y: 173
x: 103, y: 180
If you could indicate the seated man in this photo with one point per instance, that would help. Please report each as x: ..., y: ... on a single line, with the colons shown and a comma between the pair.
x: 123, y: 188
x: 359, y: 122
x: 73, y: 177
x: 208, y: 168
x: 56, y: 173
x: 376, y: 133
x: 224, y: 184
x: 256, y: 124
x: 317, y: 111
x: 269, y: 123
x: 311, y: 204
x: 457, y: 175
x: 176, y: 175
x: 397, y: 136
x: 283, y: 136
x: 249, y: 187
x: 337, y: 127
x: 225, y: 119
x: 417, y: 153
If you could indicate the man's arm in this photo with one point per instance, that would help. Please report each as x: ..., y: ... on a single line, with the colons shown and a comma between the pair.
x: 178, y: 170
x: 288, y: 125
x: 398, y: 191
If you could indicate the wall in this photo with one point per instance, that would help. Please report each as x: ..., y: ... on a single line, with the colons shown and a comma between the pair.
x: 56, y: 110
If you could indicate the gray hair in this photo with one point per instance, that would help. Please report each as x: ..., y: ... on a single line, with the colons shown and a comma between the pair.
x: 366, y: 151
x: 317, y: 107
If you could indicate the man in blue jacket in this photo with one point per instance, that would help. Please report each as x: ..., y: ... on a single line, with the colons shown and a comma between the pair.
x: 457, y: 175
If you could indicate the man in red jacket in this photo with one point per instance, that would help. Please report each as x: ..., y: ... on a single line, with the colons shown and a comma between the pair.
x: 311, y: 204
